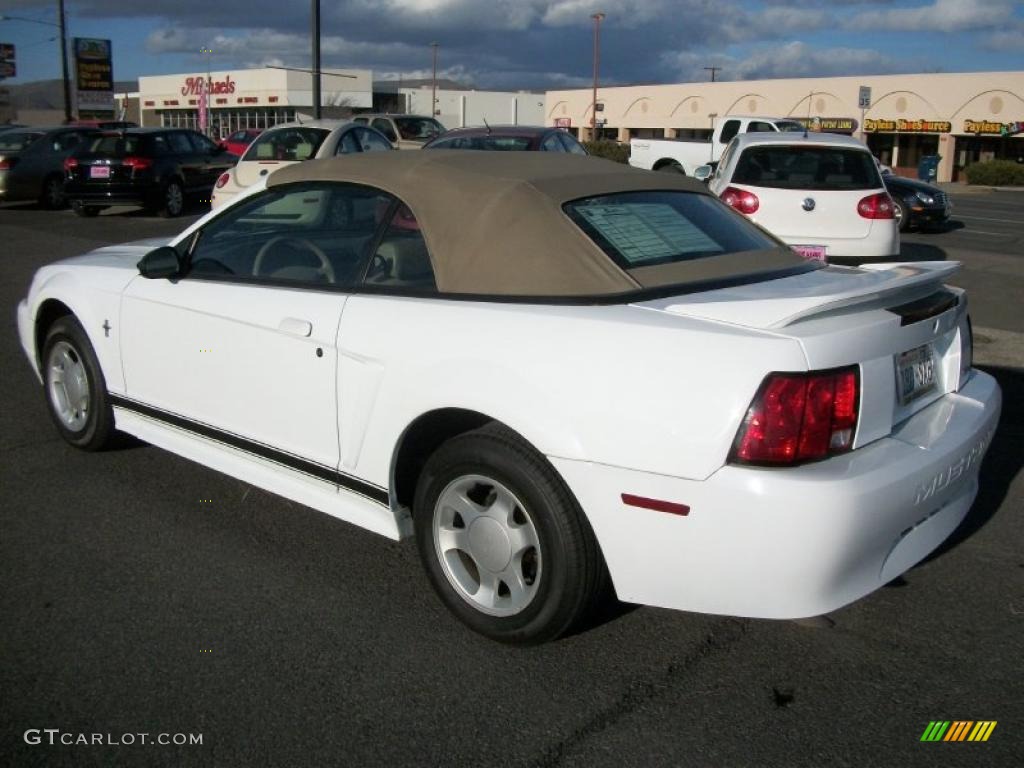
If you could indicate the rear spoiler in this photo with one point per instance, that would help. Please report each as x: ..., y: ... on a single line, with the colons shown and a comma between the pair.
x: 905, y: 275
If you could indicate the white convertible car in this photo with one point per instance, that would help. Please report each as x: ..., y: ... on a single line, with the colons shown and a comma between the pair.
x: 550, y: 370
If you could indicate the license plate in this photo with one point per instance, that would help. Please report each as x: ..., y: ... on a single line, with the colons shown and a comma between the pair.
x: 99, y: 172
x: 915, y: 373
x: 812, y: 252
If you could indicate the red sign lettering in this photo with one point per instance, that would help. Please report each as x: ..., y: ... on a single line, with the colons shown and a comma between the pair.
x: 194, y: 85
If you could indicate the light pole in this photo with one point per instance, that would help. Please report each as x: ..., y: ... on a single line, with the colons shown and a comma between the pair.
x: 712, y: 117
x: 315, y: 33
x: 597, y: 17
x: 62, y: 26
x: 433, y: 88
x: 204, y: 96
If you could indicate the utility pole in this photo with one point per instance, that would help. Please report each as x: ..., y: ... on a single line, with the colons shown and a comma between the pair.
x: 433, y: 88
x: 64, y: 61
x: 315, y: 33
x: 597, y: 17
x: 712, y: 70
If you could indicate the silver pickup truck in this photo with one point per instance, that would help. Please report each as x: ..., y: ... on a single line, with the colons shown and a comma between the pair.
x: 687, y: 155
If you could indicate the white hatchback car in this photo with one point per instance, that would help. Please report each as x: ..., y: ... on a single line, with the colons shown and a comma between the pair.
x: 821, y: 193
x: 292, y: 143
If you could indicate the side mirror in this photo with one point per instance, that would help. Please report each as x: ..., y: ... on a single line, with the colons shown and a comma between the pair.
x: 703, y: 173
x: 160, y: 263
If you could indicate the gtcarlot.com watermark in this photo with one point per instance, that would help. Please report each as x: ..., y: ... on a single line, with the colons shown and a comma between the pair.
x: 55, y: 736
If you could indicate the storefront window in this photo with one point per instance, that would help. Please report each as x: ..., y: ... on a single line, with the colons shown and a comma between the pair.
x: 227, y: 121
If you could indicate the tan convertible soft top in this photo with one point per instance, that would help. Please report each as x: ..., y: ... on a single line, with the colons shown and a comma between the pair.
x: 494, y: 225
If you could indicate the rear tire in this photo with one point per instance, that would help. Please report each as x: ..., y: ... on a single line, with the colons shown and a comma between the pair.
x: 172, y: 200
x: 75, y: 390
x: 52, y: 196
x: 85, y: 211
x: 504, y: 543
x: 672, y: 167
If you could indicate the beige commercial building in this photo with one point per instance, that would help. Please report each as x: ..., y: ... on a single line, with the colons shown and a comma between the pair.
x: 249, y: 98
x: 964, y: 118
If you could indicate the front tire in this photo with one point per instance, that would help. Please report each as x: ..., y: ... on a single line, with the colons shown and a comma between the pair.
x: 902, y: 215
x: 503, y: 541
x: 76, y: 392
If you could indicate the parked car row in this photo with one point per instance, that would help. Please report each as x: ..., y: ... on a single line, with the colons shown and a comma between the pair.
x: 92, y: 167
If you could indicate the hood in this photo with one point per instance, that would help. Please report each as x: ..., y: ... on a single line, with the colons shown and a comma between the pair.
x: 125, y: 255
x: 774, y: 304
x: 913, y: 185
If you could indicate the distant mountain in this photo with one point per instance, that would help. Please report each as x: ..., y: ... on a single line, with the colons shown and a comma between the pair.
x: 49, y: 94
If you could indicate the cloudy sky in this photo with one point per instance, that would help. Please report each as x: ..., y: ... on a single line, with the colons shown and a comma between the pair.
x: 537, y: 43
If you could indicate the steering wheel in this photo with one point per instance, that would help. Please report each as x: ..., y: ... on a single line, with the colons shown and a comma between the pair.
x: 325, y: 265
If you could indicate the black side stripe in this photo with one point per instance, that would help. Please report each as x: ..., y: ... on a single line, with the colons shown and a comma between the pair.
x: 320, y: 471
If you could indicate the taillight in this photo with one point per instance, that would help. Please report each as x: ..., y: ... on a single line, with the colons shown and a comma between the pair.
x: 222, y: 179
x: 797, y: 417
x: 742, y: 200
x: 878, y: 206
x: 137, y: 163
x: 70, y: 163
x: 6, y: 163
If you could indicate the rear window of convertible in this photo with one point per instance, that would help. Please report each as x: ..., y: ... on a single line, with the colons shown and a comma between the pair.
x: 640, y: 229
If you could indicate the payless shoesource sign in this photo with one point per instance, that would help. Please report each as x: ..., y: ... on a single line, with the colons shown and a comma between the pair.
x: 994, y: 128
x: 872, y: 125
x: 94, y: 75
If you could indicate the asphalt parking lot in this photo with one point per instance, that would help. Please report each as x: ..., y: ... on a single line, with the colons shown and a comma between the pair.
x: 142, y: 593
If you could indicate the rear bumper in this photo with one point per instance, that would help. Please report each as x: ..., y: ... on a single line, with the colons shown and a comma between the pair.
x: 796, y: 542
x: 882, y: 243
x: 119, y: 194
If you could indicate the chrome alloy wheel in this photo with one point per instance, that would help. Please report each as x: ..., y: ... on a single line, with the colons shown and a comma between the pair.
x: 487, y: 545
x: 68, y: 384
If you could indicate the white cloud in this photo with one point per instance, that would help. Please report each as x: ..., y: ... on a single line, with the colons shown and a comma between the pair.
x: 940, y: 16
x: 782, y: 19
x: 270, y: 45
x: 1006, y: 40
x: 794, y: 59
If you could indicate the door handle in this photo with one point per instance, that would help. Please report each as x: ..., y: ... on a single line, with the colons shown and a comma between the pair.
x: 295, y: 326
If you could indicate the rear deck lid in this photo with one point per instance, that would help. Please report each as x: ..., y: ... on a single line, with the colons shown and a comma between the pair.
x: 774, y: 304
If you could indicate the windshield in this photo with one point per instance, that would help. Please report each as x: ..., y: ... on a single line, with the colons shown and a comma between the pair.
x: 512, y: 143
x: 15, y: 141
x: 639, y: 229
x: 418, y: 128
x: 287, y: 144
x: 784, y: 166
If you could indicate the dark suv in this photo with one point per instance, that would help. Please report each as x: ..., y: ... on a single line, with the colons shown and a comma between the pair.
x: 156, y: 168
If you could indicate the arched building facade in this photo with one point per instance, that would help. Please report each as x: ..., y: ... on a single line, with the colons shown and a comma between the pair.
x: 962, y: 117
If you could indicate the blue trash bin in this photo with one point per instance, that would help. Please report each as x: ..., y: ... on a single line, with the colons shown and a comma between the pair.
x: 928, y: 168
